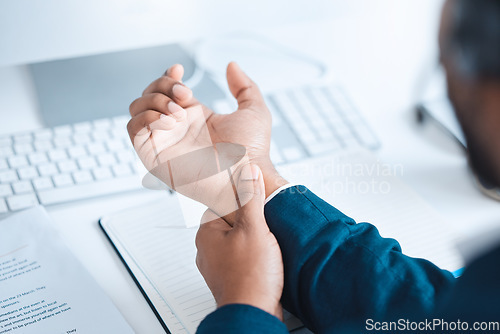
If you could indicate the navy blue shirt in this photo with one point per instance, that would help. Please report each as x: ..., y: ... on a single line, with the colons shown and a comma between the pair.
x: 338, y: 274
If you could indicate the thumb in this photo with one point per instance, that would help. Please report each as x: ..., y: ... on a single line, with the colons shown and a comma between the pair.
x: 251, y: 195
x: 244, y: 90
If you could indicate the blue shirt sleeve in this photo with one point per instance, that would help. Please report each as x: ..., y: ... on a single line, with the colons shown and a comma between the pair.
x: 241, y: 319
x: 337, y: 271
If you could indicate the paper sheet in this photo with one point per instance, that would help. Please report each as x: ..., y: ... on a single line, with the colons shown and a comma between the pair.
x: 43, y: 287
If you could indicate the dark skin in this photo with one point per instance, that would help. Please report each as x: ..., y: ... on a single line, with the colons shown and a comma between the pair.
x: 235, y: 274
x: 476, y: 101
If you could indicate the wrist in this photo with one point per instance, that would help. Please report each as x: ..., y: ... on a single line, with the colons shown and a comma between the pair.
x: 272, y: 179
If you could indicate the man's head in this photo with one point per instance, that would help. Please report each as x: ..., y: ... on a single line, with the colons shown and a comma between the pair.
x: 469, y: 41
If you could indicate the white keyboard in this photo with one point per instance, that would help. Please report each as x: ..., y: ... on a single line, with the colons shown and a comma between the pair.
x: 91, y: 159
x: 66, y: 163
x: 311, y: 121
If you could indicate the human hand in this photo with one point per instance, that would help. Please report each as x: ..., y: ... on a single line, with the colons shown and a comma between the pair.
x: 185, y: 144
x: 242, y: 263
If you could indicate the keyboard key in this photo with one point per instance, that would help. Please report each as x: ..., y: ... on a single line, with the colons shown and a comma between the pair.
x: 89, y: 190
x: 44, y: 134
x: 62, y: 180
x: 325, y: 105
x: 62, y: 142
x: 102, y: 123
x: 22, y: 187
x: 67, y: 166
x: 5, y: 141
x: 19, y: 202
x: 96, y: 148
x: 321, y: 148
x: 366, y: 135
x: 37, y: 158
x: 5, y: 190
x: 27, y: 173
x: 125, y: 156
x: 47, y: 169
x: 3, y: 164
x: 293, y: 153
x: 8, y: 176
x: 6, y: 151
x: 81, y: 139
x: 87, y: 163
x: 3, y: 206
x: 43, y: 145
x: 58, y: 155
x: 120, y: 133
x: 42, y: 183
x: 308, y: 138
x: 83, y: 176
x: 115, y: 145
x: 306, y: 106
x: 82, y: 127
x: 18, y: 161
x: 102, y: 173
x: 275, y: 114
x: 106, y: 159
x: 63, y: 130
x: 22, y: 138
x: 23, y: 148
x: 77, y: 151
x: 101, y: 135
x: 121, y: 121
x: 122, y: 170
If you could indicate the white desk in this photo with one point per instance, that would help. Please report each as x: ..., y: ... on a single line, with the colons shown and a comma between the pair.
x: 377, y: 56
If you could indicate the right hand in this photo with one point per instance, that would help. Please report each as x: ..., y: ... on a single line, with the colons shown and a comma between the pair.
x: 242, y: 263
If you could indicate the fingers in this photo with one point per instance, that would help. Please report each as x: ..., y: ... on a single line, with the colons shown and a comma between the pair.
x: 244, y: 90
x: 141, y: 125
x: 251, y: 193
x: 211, y: 224
x: 176, y: 72
x: 173, y: 89
x: 158, y: 102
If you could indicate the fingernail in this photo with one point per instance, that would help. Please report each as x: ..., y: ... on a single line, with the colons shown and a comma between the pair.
x: 181, y: 92
x: 255, y: 172
x: 175, y: 109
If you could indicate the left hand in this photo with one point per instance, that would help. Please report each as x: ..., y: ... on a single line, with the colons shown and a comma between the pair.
x: 242, y: 264
x: 178, y: 138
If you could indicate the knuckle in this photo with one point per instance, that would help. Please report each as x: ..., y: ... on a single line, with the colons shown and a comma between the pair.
x: 158, y: 100
x: 130, y: 125
x: 133, y: 106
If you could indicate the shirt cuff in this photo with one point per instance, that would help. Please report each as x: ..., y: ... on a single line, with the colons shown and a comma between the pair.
x: 277, y: 191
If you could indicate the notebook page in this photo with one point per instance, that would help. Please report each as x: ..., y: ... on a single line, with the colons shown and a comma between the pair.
x: 369, y: 191
x: 160, y: 253
x: 166, y: 258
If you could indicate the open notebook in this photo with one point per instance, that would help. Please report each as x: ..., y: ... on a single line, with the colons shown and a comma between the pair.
x: 160, y: 254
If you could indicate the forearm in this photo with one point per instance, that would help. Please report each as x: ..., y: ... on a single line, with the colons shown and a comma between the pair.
x: 338, y: 271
